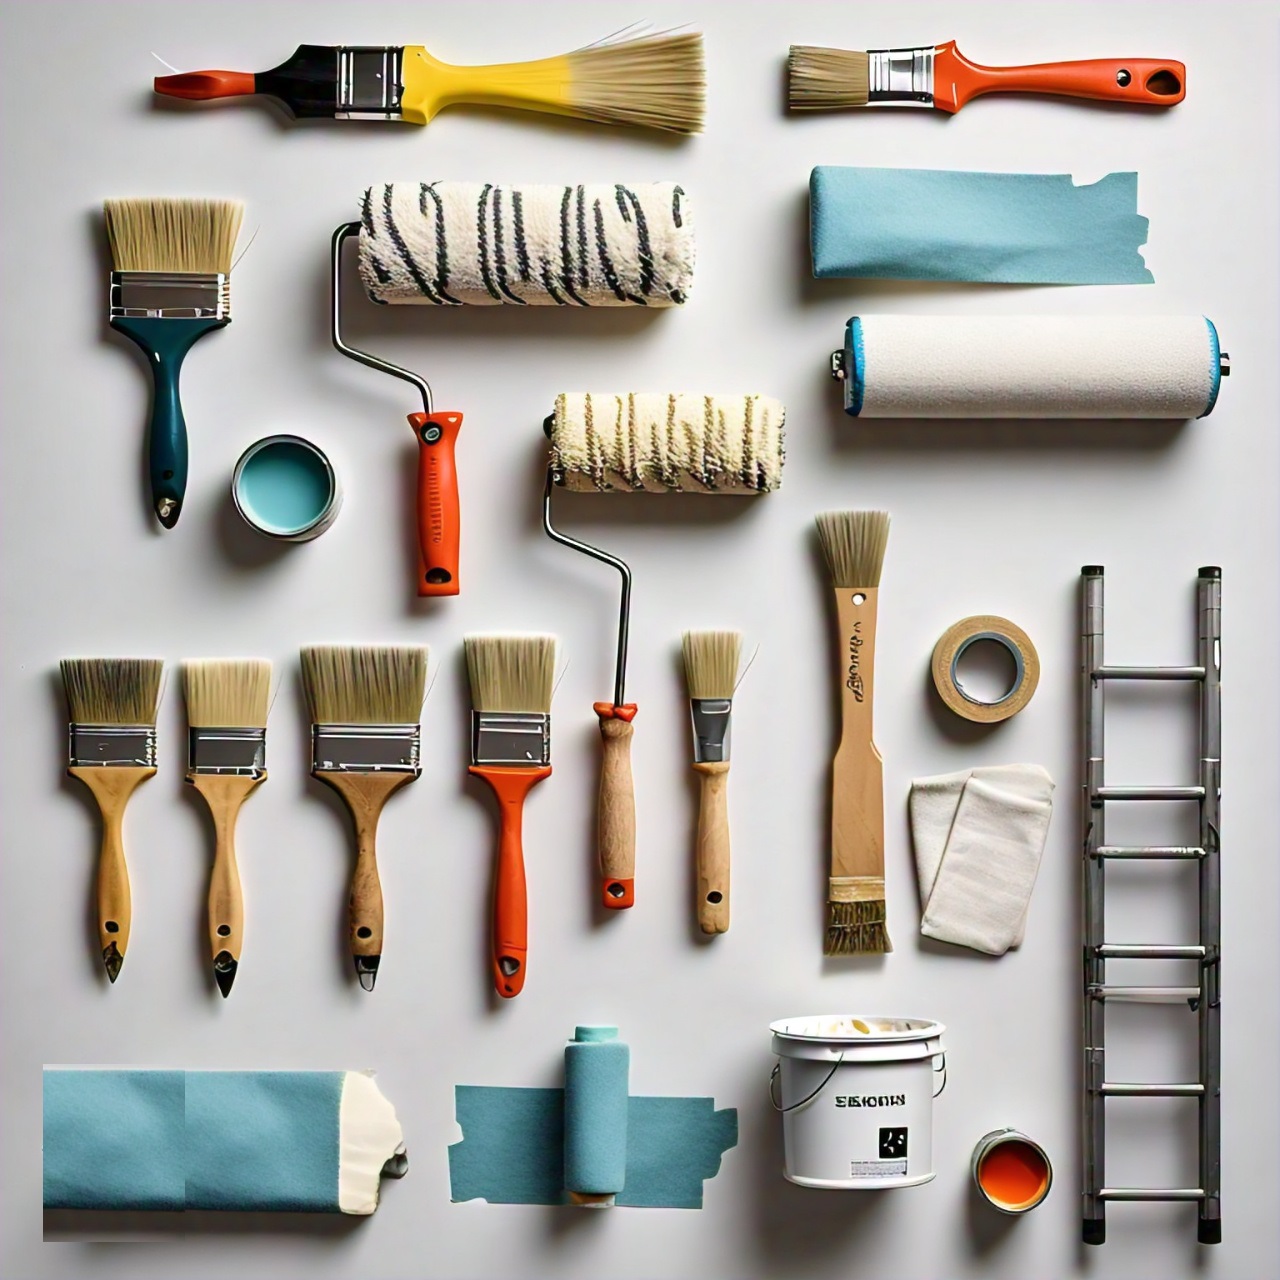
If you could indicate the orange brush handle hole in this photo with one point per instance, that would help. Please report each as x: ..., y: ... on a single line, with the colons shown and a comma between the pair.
x: 439, y: 516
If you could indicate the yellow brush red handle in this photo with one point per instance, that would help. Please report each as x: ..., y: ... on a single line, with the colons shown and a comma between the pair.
x: 439, y: 516
x: 1153, y: 81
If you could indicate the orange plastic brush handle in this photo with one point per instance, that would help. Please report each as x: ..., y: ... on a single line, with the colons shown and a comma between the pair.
x: 199, y: 85
x: 1146, y: 81
x: 439, y: 518
x: 509, y: 945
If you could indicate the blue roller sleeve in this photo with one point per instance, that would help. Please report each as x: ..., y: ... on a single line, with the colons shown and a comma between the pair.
x: 596, y: 1066
x: 165, y: 342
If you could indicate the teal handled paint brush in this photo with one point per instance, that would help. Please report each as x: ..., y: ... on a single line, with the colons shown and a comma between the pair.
x: 170, y: 285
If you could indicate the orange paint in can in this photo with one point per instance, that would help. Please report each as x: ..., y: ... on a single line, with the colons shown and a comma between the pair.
x: 1012, y: 1172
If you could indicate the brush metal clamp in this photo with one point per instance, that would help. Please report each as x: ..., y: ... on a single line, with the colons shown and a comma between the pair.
x: 514, y: 738
x: 238, y: 751
x: 170, y: 295
x: 710, y: 729
x: 127, y: 745
x: 366, y: 748
x: 369, y: 82
x: 904, y: 76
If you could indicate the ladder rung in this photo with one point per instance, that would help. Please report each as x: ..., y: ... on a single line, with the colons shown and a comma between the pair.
x: 1146, y: 951
x: 1157, y: 995
x: 1147, y: 851
x: 1115, y: 1089
x: 1151, y: 1193
x: 1149, y: 793
x: 1148, y: 673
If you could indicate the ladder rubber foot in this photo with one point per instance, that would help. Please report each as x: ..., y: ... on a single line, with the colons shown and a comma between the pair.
x: 1095, y: 1230
x: 1209, y: 1230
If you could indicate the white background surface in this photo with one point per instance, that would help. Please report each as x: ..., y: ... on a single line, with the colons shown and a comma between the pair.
x: 986, y: 518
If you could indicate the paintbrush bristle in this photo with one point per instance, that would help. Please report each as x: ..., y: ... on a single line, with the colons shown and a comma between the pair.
x: 856, y: 928
x: 511, y: 672
x: 227, y: 693
x: 711, y: 662
x: 658, y: 82
x: 854, y: 543
x: 364, y: 685
x: 195, y: 237
x: 112, y: 690
x: 822, y: 79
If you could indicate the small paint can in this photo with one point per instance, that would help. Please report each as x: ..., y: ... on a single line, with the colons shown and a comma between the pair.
x: 1011, y: 1171
x: 286, y: 488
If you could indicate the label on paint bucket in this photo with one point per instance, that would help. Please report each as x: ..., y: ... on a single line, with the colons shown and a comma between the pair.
x: 877, y: 1168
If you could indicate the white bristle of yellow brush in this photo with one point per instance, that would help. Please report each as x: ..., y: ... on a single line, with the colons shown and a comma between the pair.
x: 854, y: 543
x: 196, y: 237
x: 821, y: 79
x: 227, y: 692
x: 364, y: 684
x: 668, y: 443
x: 104, y: 691
x: 711, y: 662
x: 511, y: 671
x: 657, y: 82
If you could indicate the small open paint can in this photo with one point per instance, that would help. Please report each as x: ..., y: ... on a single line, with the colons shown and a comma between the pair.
x: 1012, y: 1173
x: 286, y: 488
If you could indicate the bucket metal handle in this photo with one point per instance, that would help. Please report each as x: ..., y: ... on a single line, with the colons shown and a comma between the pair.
x: 773, y: 1076
x: 937, y: 1093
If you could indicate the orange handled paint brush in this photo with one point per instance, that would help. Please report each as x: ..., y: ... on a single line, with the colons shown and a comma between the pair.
x: 511, y: 682
x: 940, y: 76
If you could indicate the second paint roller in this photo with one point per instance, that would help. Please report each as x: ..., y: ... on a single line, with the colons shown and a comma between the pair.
x: 484, y: 244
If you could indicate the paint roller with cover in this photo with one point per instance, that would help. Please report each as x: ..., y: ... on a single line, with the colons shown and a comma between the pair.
x: 596, y: 1067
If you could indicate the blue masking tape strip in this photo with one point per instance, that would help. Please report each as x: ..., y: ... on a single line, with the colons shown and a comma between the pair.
x: 1215, y: 368
x: 512, y: 1148
x: 1011, y: 228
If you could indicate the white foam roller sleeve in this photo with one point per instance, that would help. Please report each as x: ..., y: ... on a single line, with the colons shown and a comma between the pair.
x: 1031, y: 367
x: 662, y: 443
x: 486, y: 244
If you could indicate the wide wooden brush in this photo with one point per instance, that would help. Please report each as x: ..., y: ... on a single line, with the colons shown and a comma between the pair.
x: 111, y: 749
x: 365, y: 709
x: 227, y: 702
x: 854, y: 543
x: 511, y: 682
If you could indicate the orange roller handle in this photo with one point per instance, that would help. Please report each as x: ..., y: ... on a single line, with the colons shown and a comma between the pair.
x: 1145, y: 81
x: 509, y: 944
x: 439, y: 518
x: 199, y: 85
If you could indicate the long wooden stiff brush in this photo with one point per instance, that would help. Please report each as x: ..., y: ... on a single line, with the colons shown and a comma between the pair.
x: 821, y: 79
x: 227, y: 703
x: 854, y: 544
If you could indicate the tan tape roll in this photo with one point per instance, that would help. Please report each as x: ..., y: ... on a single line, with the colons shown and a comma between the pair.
x: 951, y: 646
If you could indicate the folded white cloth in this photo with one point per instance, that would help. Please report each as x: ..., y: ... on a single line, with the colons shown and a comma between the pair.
x: 978, y: 837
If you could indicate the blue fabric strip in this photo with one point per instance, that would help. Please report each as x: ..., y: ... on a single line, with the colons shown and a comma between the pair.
x: 941, y: 224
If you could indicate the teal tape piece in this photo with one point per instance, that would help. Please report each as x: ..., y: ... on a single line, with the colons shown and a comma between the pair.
x: 1004, y: 228
x: 173, y: 1140
x: 512, y: 1148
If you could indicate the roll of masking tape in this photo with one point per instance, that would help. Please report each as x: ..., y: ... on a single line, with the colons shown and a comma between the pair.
x: 951, y: 647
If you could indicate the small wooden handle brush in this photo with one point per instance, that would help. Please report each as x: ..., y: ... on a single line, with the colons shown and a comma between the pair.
x: 112, y: 749
x: 227, y: 702
x: 366, y: 704
x: 854, y: 543
x: 711, y: 669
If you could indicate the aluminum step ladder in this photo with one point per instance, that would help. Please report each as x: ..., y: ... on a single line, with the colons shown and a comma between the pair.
x: 1204, y: 999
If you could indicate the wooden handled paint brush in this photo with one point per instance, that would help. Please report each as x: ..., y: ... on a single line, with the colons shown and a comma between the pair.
x: 227, y: 703
x: 940, y: 76
x: 112, y: 748
x: 656, y: 82
x: 511, y: 682
x: 366, y: 704
x: 170, y: 285
x: 711, y: 669
x: 854, y: 543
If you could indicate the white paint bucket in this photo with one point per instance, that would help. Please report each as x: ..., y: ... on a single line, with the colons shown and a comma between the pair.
x: 856, y: 1095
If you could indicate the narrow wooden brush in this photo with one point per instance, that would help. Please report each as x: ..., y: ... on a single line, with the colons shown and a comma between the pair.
x: 111, y: 749
x: 511, y: 682
x: 227, y: 703
x: 365, y: 709
x: 854, y: 543
x: 711, y: 670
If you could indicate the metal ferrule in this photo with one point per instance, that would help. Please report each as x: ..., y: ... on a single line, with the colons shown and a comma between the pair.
x: 365, y: 748
x: 710, y: 729
x: 904, y: 76
x: 171, y: 295
x: 510, y: 737
x: 369, y: 82
x: 111, y: 744
x: 239, y: 750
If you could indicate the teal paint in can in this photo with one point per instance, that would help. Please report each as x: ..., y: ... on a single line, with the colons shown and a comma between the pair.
x: 286, y: 488
x: 596, y: 1070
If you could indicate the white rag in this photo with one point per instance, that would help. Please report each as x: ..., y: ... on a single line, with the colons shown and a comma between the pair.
x: 978, y: 837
